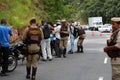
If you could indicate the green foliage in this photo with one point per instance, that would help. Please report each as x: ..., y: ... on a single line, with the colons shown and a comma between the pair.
x: 17, y: 12
x: 104, y: 8
x: 57, y: 9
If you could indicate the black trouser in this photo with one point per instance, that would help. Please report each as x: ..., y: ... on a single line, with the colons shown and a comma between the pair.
x: 57, y: 43
x: 52, y: 44
x: 5, y: 53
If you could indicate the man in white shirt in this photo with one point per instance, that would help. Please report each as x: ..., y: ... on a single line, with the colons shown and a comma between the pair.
x: 57, y: 41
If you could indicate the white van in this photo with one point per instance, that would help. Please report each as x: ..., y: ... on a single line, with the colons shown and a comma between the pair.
x: 105, y: 28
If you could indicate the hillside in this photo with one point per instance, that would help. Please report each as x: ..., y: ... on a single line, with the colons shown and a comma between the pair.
x: 18, y: 12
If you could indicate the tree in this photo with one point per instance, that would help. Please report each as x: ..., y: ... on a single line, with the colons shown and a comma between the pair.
x: 104, y: 8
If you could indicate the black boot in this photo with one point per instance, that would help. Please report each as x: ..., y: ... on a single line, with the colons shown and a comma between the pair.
x: 60, y: 53
x: 34, y: 70
x: 64, y: 53
x: 28, y: 69
x: 78, y: 49
x: 81, y: 49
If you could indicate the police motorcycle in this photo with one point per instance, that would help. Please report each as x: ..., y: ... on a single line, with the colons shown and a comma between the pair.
x: 18, y: 51
x: 12, y: 62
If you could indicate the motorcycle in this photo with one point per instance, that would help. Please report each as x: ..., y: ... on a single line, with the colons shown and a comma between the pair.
x: 12, y: 62
x: 18, y: 51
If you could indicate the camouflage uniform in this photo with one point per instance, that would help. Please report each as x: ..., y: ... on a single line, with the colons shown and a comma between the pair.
x: 118, y: 40
x: 64, y: 34
x: 81, y: 37
x: 113, y: 48
x: 32, y: 55
x: 116, y: 64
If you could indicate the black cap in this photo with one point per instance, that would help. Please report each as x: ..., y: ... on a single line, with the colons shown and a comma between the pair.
x: 33, y: 20
x: 3, y: 21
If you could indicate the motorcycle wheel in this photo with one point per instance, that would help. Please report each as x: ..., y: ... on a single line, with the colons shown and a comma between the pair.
x: 12, y: 63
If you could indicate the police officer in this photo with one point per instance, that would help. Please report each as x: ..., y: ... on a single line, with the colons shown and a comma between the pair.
x: 113, y: 48
x: 81, y: 37
x: 64, y: 34
x: 114, y: 42
x: 33, y: 48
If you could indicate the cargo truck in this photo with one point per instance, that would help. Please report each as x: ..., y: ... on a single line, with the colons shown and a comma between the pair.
x: 94, y: 23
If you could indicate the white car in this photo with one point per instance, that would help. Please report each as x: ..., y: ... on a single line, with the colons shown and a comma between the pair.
x: 85, y: 27
x: 105, y: 28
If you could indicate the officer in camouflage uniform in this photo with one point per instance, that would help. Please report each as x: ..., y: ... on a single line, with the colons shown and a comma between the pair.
x: 81, y: 37
x: 113, y: 48
x: 114, y: 42
x: 64, y: 34
x: 33, y: 51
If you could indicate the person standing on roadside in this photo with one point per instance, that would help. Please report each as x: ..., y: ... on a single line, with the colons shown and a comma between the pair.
x: 4, y: 44
x: 52, y: 40
x: 81, y: 37
x: 64, y: 34
x: 45, y: 43
x: 32, y: 37
x: 113, y: 47
x: 114, y: 42
x: 72, y: 37
x: 57, y: 39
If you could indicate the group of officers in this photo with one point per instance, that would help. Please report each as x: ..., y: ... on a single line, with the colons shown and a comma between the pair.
x: 61, y: 33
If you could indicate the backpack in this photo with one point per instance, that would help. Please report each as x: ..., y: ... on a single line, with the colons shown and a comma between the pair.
x: 46, y: 32
x: 80, y: 32
x: 34, y: 36
x: 75, y: 33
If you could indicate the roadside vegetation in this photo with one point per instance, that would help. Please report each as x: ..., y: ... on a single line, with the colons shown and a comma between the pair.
x: 18, y: 12
x: 93, y: 8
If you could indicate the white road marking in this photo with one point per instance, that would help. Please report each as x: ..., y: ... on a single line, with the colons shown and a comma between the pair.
x: 100, y: 78
x: 105, y: 60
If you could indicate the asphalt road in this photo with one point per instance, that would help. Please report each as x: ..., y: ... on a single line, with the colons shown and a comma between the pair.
x: 93, y: 64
